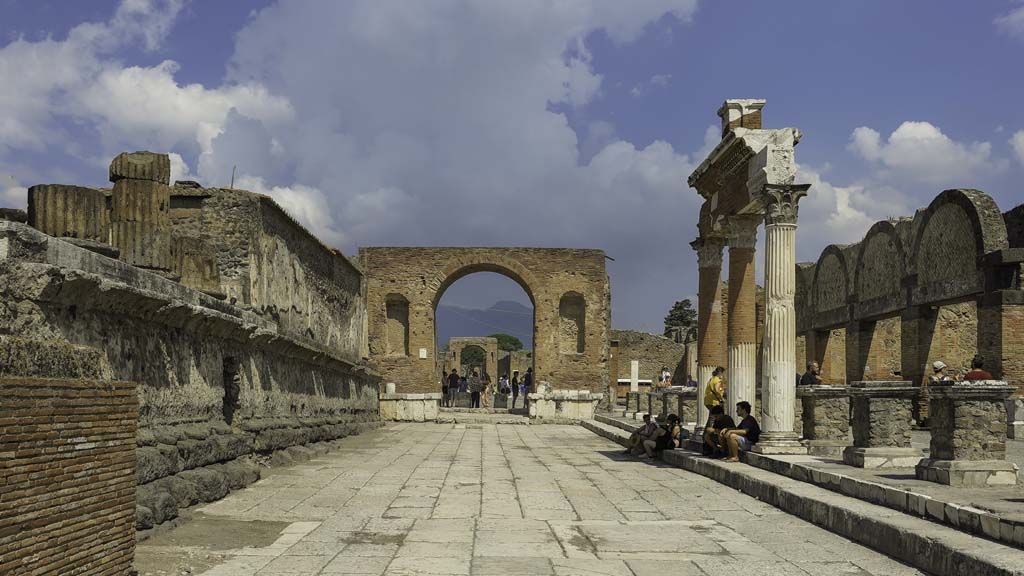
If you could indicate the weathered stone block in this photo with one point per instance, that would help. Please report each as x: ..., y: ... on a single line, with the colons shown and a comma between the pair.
x: 882, y: 413
x: 141, y: 166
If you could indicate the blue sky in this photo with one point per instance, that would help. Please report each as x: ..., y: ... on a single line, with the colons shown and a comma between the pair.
x: 520, y: 123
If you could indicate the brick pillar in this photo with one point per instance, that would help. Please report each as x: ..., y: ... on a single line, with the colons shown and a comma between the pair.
x: 613, y: 374
x: 710, y: 344
x: 779, y: 372
x: 742, y: 323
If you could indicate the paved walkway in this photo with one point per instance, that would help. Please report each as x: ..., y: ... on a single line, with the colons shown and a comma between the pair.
x: 530, y: 500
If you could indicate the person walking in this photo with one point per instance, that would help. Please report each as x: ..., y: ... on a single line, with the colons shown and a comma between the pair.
x: 527, y: 387
x: 453, y: 387
x: 475, y: 388
x: 515, y: 387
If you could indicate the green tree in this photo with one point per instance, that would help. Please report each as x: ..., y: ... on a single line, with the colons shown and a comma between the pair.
x: 473, y: 355
x: 507, y: 342
x: 681, y: 315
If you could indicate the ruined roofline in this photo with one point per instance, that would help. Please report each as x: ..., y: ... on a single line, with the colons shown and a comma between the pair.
x: 737, y: 135
x: 478, y: 247
x: 269, y: 201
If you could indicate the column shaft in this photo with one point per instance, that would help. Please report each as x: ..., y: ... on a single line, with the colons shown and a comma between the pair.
x: 741, y: 378
x: 710, y: 343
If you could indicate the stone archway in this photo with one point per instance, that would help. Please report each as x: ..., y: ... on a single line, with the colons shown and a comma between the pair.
x: 551, y: 277
x: 489, y: 346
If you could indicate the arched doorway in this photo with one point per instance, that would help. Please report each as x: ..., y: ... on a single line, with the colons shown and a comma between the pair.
x: 568, y: 288
x: 484, y: 323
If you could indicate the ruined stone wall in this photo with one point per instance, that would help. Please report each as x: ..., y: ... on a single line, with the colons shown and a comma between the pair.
x: 420, y: 276
x: 219, y: 384
x: 652, y: 351
x: 509, y: 362
x: 942, y: 285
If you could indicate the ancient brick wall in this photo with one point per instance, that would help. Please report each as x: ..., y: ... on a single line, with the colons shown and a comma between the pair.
x: 420, y: 276
x: 67, y: 467
x: 652, y: 351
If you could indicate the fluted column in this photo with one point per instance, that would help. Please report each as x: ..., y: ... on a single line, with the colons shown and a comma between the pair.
x: 741, y: 378
x: 710, y: 344
x: 779, y: 390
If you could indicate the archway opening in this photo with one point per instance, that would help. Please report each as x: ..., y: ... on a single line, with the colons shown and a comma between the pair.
x: 482, y: 305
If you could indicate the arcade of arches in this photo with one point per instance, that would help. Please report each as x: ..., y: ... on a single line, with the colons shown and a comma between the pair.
x: 569, y: 290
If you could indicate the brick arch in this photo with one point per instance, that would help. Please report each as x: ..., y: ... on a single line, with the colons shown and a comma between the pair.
x: 460, y: 267
x: 831, y: 286
x: 879, y: 271
x: 423, y: 274
x: 950, y: 237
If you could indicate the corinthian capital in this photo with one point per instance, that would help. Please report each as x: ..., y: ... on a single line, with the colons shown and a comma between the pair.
x: 743, y: 230
x: 780, y: 202
x: 709, y: 251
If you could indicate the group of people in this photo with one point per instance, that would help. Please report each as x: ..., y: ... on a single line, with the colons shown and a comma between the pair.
x: 939, y: 373
x: 481, y: 389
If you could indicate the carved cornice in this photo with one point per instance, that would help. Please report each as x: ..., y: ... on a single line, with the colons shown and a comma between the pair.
x: 781, y: 202
x: 743, y: 230
x: 709, y: 251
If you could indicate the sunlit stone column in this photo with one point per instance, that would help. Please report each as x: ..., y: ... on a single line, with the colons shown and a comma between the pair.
x: 779, y: 370
x: 710, y: 349
x: 741, y: 382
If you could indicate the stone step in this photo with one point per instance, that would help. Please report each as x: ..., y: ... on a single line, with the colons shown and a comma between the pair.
x: 928, y: 546
x: 618, y: 422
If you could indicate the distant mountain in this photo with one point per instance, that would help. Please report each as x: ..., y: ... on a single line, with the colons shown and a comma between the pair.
x: 503, y: 316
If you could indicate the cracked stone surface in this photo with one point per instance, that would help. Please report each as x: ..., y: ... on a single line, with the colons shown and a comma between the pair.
x: 417, y: 499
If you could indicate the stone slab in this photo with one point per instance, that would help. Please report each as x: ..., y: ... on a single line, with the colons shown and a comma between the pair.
x: 881, y: 457
x: 967, y: 473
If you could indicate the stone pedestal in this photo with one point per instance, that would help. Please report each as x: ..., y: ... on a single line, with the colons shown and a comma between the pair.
x: 410, y: 407
x: 564, y: 405
x: 632, y: 403
x: 657, y: 403
x: 683, y: 403
x: 968, y: 428
x: 826, y: 419
x: 882, y: 414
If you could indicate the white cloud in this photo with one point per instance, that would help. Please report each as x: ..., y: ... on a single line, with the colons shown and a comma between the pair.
x: 919, y: 151
x: 12, y: 194
x: 1017, y: 143
x: 656, y: 81
x: 179, y: 168
x: 1011, y: 23
x: 660, y: 79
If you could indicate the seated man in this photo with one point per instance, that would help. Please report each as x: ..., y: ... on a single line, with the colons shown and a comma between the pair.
x: 978, y: 371
x: 714, y: 443
x: 668, y: 440
x: 745, y: 436
x: 649, y: 431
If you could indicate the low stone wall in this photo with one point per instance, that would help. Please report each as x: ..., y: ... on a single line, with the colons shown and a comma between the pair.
x: 410, y: 407
x: 564, y: 405
x: 67, y: 448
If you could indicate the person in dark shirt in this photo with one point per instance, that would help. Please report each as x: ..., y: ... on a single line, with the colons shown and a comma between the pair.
x: 810, y: 378
x: 977, y: 372
x: 713, y: 439
x: 745, y: 436
x: 451, y: 388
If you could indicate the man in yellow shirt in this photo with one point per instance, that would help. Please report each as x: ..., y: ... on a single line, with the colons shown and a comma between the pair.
x: 714, y: 392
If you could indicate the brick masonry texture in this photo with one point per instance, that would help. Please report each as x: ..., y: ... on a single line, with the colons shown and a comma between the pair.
x: 551, y: 277
x: 67, y: 459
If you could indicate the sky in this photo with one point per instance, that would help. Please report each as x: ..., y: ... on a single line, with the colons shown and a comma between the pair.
x: 559, y: 123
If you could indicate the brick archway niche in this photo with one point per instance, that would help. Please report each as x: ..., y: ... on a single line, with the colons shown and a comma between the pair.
x: 489, y: 346
x: 568, y: 288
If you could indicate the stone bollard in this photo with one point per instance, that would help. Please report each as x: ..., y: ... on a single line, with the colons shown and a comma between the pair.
x: 688, y: 411
x: 632, y: 403
x: 658, y: 405
x: 826, y: 419
x: 882, y: 413
x: 968, y: 428
x: 1015, y: 417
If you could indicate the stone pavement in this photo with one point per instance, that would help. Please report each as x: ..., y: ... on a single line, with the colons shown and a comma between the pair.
x: 531, y: 500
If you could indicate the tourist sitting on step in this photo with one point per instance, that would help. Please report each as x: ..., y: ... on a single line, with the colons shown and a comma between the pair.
x: 670, y: 440
x: 744, y: 436
x: 649, y: 431
x: 714, y: 443
x: 977, y: 371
